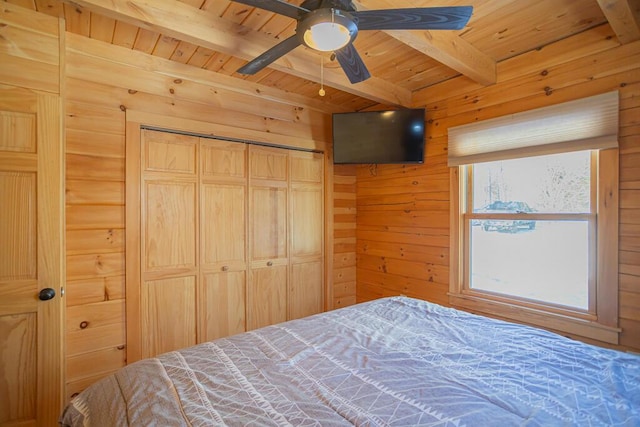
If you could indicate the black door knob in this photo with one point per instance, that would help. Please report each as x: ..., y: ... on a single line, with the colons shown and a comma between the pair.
x: 46, y: 294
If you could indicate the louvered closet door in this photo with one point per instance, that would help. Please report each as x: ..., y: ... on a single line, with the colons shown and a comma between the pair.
x: 223, y: 237
x: 169, y: 240
x: 268, y: 198
x: 306, y: 288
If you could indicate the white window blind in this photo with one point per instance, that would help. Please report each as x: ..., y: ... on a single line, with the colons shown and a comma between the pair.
x: 584, y: 124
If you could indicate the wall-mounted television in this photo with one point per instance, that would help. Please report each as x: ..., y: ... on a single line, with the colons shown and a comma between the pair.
x: 393, y: 136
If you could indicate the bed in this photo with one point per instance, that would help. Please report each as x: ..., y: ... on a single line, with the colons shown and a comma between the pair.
x: 393, y: 361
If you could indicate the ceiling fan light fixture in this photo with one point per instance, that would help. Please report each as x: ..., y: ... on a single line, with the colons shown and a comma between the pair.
x: 333, y: 25
x: 327, y: 29
x: 327, y: 36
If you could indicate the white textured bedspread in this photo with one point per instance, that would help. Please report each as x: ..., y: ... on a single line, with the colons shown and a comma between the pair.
x: 395, y: 361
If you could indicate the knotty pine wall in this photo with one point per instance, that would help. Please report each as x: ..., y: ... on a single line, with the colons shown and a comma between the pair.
x: 29, y: 49
x: 102, y: 83
x: 344, y: 235
x: 403, y: 211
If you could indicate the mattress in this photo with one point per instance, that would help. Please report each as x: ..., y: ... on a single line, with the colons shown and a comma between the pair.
x: 393, y: 361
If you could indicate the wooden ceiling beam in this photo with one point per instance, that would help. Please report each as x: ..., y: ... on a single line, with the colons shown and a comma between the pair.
x: 624, y: 18
x: 445, y: 47
x: 452, y: 51
x: 190, y: 24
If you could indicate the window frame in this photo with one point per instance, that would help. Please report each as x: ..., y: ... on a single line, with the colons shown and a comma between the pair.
x: 600, y: 320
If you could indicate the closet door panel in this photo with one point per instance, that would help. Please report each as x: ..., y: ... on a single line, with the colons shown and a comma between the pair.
x: 164, y: 305
x: 307, y: 167
x: 170, y: 236
x: 306, y: 290
x: 222, y: 159
x: 222, y: 302
x: 268, y: 163
x: 223, y: 237
x: 223, y: 224
x: 269, y: 248
x: 306, y: 221
x: 168, y: 315
x: 170, y: 152
x: 267, y: 302
x: 268, y: 223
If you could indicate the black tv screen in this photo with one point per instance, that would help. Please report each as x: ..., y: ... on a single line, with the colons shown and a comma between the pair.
x: 379, y: 137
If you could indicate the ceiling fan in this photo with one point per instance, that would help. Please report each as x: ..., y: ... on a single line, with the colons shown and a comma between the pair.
x: 332, y: 25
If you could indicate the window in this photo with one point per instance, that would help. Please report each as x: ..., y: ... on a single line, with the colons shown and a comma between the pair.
x: 532, y: 229
x: 534, y: 225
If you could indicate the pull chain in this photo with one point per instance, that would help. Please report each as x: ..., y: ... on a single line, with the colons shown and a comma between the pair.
x: 321, y: 92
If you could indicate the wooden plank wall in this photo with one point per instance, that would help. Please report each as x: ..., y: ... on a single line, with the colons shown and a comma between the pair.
x: 29, y: 49
x: 344, y: 235
x: 103, y: 82
x: 403, y: 211
x: 402, y: 236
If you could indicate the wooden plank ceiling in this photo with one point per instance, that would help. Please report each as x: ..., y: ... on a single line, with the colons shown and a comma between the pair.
x: 221, y: 36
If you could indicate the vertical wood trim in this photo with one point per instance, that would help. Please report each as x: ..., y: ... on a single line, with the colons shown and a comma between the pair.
x: 464, y: 228
x: 607, y: 283
x: 289, y: 239
x: 592, y: 233
x: 250, y: 278
x: 455, y: 242
x: 132, y: 227
x: 61, y: 196
x: 50, y: 257
x: 247, y: 235
x: 328, y: 228
x: 198, y: 278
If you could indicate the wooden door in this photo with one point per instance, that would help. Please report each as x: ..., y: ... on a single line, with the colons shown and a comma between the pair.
x: 188, y: 283
x: 169, y: 242
x: 306, y: 216
x: 268, y: 202
x: 31, y: 226
x: 223, y: 238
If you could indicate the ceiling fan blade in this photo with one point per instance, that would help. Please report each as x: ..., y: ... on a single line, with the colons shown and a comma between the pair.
x: 271, y: 55
x: 352, y: 64
x: 276, y: 6
x: 420, y: 18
